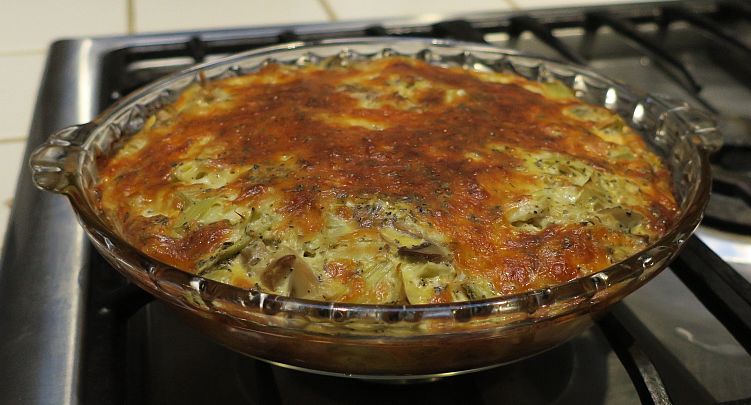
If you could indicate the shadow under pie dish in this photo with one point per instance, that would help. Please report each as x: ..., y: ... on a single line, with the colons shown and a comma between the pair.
x: 408, y: 207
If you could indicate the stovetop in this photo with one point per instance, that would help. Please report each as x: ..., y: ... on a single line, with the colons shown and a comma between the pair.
x: 73, y: 331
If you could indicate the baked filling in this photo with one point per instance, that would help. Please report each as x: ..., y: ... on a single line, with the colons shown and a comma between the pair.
x: 386, y: 181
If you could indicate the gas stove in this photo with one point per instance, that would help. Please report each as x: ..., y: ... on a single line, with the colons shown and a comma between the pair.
x: 73, y: 331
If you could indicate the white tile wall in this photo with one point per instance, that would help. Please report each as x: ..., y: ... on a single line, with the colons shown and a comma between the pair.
x: 349, y: 9
x: 159, y: 15
x: 32, y: 24
x: 21, y: 75
x: 28, y: 26
x: 11, y: 154
x: 10, y: 164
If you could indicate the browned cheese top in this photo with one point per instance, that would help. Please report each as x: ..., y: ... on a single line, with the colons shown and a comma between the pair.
x: 386, y: 181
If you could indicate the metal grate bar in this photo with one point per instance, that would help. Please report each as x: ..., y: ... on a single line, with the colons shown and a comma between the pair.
x: 458, y: 29
x: 735, y: 9
x: 126, y: 300
x: 677, y: 69
x: 521, y: 24
x: 196, y: 49
x: 725, y: 293
x: 731, y: 183
x: 643, y: 373
x: 376, y: 31
x: 464, y: 389
x: 682, y: 386
x: 671, y: 14
x: 268, y: 391
x: 745, y: 401
x: 232, y: 45
x: 111, y: 301
x: 287, y: 36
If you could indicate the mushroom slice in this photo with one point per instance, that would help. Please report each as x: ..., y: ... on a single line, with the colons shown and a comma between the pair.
x: 289, y: 274
x: 277, y: 272
x: 303, y: 283
x: 415, y: 247
x: 424, y: 252
x: 254, y: 254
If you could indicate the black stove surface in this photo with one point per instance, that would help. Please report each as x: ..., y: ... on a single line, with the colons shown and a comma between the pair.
x: 82, y: 334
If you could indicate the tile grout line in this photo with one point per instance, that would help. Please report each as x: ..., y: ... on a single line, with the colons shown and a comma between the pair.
x: 13, y: 139
x: 22, y: 52
x: 513, y: 4
x: 130, y: 16
x: 328, y: 10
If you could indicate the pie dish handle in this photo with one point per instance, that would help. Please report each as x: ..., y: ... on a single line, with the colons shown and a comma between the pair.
x: 56, y: 163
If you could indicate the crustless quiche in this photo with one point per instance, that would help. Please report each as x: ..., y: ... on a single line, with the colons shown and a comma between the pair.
x: 386, y: 181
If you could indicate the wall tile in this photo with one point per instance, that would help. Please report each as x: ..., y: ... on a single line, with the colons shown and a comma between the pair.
x: 360, y: 9
x: 11, y: 156
x: 33, y: 24
x: 164, y: 15
x: 21, y: 77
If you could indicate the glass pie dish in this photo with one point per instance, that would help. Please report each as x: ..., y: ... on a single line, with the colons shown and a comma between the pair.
x: 387, y: 341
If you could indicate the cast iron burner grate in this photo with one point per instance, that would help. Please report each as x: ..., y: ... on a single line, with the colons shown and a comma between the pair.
x: 124, y: 348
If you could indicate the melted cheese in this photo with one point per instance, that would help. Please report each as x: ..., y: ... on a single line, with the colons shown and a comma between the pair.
x: 387, y: 181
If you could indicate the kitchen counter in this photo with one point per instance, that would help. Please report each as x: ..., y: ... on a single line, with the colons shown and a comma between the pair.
x: 27, y: 29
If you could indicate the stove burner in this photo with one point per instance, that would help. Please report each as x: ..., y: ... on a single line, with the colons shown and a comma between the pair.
x: 531, y: 381
x: 579, y: 371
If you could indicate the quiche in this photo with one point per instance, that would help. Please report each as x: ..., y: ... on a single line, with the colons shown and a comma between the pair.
x: 385, y: 181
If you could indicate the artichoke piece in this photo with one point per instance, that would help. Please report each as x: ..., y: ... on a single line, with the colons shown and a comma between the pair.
x: 199, y: 213
x: 619, y: 218
x: 238, y: 240
x: 557, y: 90
x: 611, y: 130
x: 220, y: 274
x: 200, y: 171
x: 585, y: 112
x: 245, y: 266
x: 134, y: 145
x: 621, y: 153
x: 545, y: 207
x: 563, y: 168
x: 528, y: 214
x: 255, y: 253
x: 199, y: 99
x: 425, y: 282
x: 478, y: 289
x: 383, y: 278
x: 400, y: 239
x: 207, y: 211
